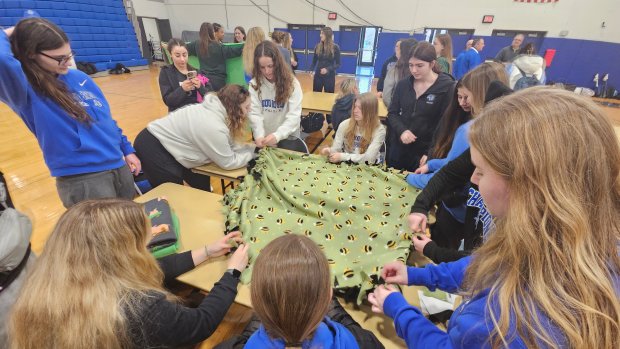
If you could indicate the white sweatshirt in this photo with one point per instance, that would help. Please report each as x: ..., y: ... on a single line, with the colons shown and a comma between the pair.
x: 372, y: 152
x: 268, y: 117
x: 197, y: 134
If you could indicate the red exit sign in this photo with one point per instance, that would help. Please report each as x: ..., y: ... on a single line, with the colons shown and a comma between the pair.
x: 332, y: 16
x: 487, y: 19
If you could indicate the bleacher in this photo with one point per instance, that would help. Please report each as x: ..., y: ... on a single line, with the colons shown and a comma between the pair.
x: 99, y: 30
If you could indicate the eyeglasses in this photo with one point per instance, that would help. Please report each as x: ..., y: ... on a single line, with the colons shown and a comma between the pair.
x: 60, y: 59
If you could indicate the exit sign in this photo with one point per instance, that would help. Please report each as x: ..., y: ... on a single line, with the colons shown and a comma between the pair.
x: 332, y: 16
x: 487, y: 19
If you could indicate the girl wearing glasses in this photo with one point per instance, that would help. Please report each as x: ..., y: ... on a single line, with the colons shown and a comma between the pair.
x: 198, y: 134
x: 82, y: 145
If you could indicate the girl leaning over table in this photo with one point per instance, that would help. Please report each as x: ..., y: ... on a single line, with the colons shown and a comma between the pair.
x: 213, y: 131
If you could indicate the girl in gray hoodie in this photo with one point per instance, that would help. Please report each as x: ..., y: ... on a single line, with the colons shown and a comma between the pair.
x: 210, y: 132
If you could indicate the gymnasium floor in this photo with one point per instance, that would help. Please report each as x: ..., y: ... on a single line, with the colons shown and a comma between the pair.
x: 135, y: 101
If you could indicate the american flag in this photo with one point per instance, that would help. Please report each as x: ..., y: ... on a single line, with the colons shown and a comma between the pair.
x: 536, y: 1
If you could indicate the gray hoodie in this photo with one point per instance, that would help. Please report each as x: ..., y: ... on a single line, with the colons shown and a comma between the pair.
x: 15, y: 230
x: 197, y: 134
x: 267, y: 116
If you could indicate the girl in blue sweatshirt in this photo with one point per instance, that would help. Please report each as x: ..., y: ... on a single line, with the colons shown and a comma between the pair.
x: 291, y: 293
x: 549, y: 274
x: 82, y: 145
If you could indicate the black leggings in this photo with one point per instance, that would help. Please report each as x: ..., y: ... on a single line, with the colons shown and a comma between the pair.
x: 160, y: 166
x: 327, y: 82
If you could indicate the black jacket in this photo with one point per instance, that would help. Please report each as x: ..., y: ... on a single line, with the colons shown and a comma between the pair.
x: 418, y: 114
x: 342, y: 110
x: 384, y: 72
x: 331, y: 63
x: 445, y: 182
x: 172, y: 93
x: 165, y: 324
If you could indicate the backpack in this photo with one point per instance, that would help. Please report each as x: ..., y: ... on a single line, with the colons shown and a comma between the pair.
x: 86, y: 67
x: 525, y: 81
x: 119, y: 69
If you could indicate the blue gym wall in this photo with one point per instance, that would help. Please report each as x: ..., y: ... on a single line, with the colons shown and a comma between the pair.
x: 575, y: 61
x: 99, y: 30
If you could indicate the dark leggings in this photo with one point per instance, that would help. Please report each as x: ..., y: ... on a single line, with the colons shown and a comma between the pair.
x: 327, y: 82
x: 160, y: 166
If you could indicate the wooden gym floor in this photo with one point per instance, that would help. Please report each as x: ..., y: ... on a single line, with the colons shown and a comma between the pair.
x: 135, y: 101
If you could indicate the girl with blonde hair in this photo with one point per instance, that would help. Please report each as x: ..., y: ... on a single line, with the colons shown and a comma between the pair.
x: 97, y: 286
x: 255, y: 36
x: 548, y: 275
x: 359, y: 138
x: 292, y: 297
x: 341, y: 110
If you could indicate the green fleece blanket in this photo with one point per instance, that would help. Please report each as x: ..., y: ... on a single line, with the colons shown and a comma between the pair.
x: 356, y: 213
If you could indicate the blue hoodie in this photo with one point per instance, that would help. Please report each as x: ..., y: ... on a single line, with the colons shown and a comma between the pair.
x: 329, y: 335
x: 69, y: 147
x: 470, y: 325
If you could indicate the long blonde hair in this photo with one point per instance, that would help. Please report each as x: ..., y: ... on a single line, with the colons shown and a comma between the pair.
x: 255, y: 36
x: 93, y: 274
x: 477, y: 81
x: 347, y: 87
x: 370, y: 121
x: 555, y: 252
x: 291, y: 288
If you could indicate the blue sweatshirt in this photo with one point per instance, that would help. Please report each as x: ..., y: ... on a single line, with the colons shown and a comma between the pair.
x: 69, y: 147
x: 460, y: 143
x: 466, y: 61
x: 328, y: 335
x: 470, y: 325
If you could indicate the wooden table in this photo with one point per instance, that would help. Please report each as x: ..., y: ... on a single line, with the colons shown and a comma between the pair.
x: 202, y: 222
x: 322, y: 102
x: 213, y: 170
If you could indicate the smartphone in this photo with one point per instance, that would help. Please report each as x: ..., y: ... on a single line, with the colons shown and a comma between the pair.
x: 191, y: 74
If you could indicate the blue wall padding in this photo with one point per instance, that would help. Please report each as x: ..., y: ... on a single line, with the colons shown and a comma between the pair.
x: 348, y: 64
x: 385, y: 48
x: 99, y: 30
x: 349, y: 41
x: 576, y: 61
